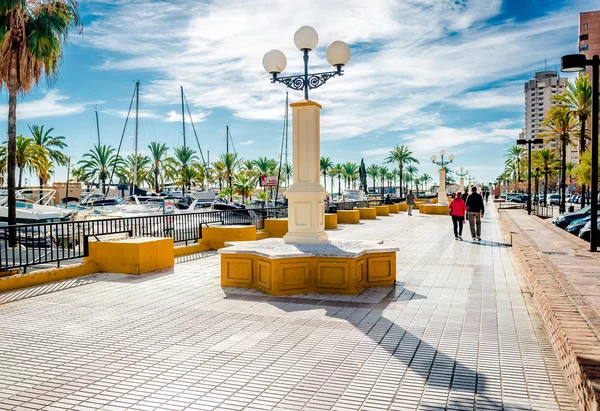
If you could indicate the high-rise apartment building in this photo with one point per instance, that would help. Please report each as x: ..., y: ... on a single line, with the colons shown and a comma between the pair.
x: 538, y: 94
x: 589, y: 33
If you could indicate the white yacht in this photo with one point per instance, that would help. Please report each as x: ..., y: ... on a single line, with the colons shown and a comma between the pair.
x: 34, y: 206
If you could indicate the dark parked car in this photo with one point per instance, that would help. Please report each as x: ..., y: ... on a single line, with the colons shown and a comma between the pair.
x: 585, y: 232
x: 566, y: 219
x: 577, y: 225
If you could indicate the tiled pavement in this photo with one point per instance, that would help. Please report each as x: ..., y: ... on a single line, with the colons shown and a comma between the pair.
x: 455, y: 333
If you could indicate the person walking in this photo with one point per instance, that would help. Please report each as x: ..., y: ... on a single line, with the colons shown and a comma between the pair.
x: 475, y: 212
x: 410, y: 201
x: 458, y: 209
x: 487, y: 196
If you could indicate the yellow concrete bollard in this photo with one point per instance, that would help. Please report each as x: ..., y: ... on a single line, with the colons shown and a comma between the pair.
x: 382, y: 210
x: 348, y: 216
x: 331, y: 221
x: 367, y: 213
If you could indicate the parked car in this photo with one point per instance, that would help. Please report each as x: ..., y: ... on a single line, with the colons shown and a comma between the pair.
x: 585, y: 232
x: 565, y: 219
x: 576, y: 225
x: 517, y: 198
x: 554, y: 199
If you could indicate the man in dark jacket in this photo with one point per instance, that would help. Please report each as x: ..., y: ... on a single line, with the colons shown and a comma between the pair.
x: 476, y: 210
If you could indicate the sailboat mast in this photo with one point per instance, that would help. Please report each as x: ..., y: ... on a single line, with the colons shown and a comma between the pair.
x: 137, y: 115
x: 227, y: 139
x: 97, y: 124
x: 183, y: 118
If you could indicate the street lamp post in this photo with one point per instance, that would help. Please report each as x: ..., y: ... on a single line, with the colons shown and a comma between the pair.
x: 529, y: 143
x: 305, y: 195
x: 462, y: 179
x: 442, y: 195
x: 574, y: 63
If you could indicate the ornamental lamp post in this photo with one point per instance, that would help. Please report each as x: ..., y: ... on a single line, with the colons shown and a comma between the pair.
x: 529, y: 143
x: 462, y: 179
x: 578, y: 62
x: 442, y: 195
x: 306, y: 221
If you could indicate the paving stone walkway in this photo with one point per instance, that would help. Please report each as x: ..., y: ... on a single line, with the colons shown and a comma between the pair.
x: 455, y: 333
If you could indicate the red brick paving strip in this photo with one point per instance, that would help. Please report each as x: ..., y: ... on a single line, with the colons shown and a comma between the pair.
x: 567, y: 315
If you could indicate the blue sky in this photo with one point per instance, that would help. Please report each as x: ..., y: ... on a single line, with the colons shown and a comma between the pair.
x: 430, y: 74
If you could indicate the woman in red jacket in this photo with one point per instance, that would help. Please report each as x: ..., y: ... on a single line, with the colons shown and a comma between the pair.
x: 457, y: 210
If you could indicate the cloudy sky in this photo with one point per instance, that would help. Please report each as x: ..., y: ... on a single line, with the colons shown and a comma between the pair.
x: 430, y: 74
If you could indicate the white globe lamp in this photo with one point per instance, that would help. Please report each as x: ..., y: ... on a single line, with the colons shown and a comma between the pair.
x: 306, y: 38
x: 274, y: 62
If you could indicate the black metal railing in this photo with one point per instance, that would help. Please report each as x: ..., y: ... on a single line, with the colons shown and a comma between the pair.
x: 542, y: 210
x: 512, y: 206
x: 55, y: 242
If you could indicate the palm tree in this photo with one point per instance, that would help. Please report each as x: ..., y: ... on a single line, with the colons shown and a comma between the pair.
x: 288, y: 173
x: 52, y: 145
x: 201, y: 174
x: 350, y: 170
x: 337, y: 171
x: 230, y: 163
x: 141, y: 163
x: 373, y: 172
x: 98, y: 163
x: 412, y: 172
x: 29, y: 156
x: 244, y: 185
x: 546, y: 159
x: 183, y: 159
x: 426, y: 179
x: 158, y: 154
x: 32, y: 34
x: 248, y: 167
x: 514, y: 156
x: 401, y: 155
x: 326, y: 164
x: 383, y: 172
x: 561, y: 126
x: 578, y: 98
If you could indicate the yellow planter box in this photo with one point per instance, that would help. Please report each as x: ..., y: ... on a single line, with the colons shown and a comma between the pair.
x: 433, y: 201
x: 367, y: 213
x: 348, y: 216
x: 133, y: 255
x: 394, y: 208
x: 331, y: 221
x: 403, y: 207
x: 277, y: 227
x: 382, y: 210
x: 215, y: 237
x: 434, y: 209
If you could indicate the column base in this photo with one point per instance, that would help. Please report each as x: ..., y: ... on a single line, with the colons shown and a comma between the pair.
x: 306, y: 238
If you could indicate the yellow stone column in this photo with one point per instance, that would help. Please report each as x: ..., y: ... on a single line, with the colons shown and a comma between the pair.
x: 306, y: 210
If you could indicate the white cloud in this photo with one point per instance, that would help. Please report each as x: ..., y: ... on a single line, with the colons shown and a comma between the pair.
x: 246, y: 143
x: 53, y: 104
x: 175, y: 116
x: 123, y: 113
x: 509, y: 96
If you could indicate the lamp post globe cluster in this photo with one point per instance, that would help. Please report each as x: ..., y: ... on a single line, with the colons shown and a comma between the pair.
x: 462, y: 175
x: 305, y: 195
x: 306, y: 39
x: 442, y: 195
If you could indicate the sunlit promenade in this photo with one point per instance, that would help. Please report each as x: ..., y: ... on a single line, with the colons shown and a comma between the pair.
x: 457, y: 332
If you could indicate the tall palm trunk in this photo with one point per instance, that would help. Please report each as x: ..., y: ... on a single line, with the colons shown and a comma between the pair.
x: 582, y: 121
x: 41, y: 183
x: 339, y: 185
x: 563, y: 177
x: 546, y: 186
x: 20, y: 177
x: 400, y: 180
x: 156, y: 177
x: 331, y: 186
x: 12, y: 145
x: 325, y: 181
